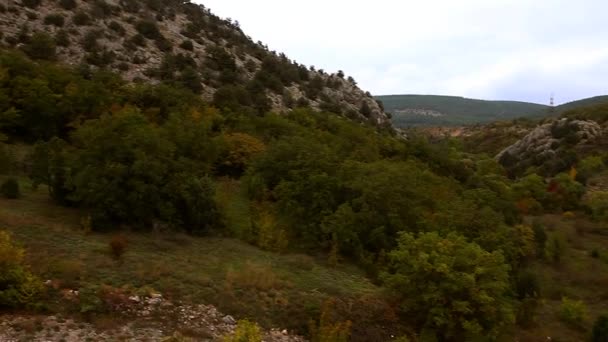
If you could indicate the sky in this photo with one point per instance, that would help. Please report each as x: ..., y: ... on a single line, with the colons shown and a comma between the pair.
x: 522, y: 50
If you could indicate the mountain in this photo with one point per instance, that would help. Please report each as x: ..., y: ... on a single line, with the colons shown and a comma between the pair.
x: 420, y: 110
x: 181, y: 43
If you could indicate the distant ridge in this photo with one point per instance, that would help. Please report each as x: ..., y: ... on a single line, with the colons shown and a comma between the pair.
x: 591, y: 101
x: 436, y: 110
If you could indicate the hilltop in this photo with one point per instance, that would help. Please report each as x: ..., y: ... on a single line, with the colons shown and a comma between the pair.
x: 183, y: 44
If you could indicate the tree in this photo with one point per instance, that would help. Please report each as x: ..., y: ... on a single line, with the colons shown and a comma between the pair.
x: 454, y: 287
x: 240, y: 150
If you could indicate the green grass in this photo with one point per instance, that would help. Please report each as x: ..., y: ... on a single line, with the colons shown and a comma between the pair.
x: 273, y: 289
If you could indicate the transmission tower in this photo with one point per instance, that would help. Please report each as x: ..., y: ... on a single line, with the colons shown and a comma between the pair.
x: 552, y: 104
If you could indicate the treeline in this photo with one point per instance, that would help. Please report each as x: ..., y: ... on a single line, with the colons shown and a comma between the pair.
x: 417, y: 216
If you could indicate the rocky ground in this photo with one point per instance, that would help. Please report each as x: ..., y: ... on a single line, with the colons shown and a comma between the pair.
x: 138, y: 319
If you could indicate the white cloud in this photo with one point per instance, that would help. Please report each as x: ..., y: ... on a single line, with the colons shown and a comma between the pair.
x: 468, y: 47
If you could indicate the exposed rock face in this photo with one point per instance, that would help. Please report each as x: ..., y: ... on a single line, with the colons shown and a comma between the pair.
x: 548, y: 142
x: 113, y: 37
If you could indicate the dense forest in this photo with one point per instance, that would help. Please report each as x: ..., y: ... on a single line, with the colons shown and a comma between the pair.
x: 442, y: 231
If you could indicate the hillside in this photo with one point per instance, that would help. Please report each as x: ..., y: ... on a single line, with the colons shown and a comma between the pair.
x: 584, y: 103
x: 425, y: 110
x: 183, y: 44
x: 180, y: 202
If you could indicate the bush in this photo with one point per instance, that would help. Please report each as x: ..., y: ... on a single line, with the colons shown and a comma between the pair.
x: 118, y: 246
x: 328, y: 329
x: 245, y: 332
x: 187, y: 45
x: 116, y: 27
x: 10, y: 188
x: 31, y: 3
x: 573, y: 312
x: 597, y: 204
x: 19, y: 287
x: 67, y: 4
x: 54, y: 19
x: 62, y: 38
x: 40, y: 46
x: 148, y: 29
x: 600, y: 329
x: 81, y: 19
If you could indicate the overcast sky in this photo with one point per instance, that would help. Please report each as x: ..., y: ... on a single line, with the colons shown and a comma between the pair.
x: 489, y: 49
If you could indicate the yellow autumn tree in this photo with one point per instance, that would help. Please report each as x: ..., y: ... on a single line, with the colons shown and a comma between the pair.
x: 241, y: 148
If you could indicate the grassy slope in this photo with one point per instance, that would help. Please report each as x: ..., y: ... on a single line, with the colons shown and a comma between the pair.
x: 582, y: 103
x: 457, y: 110
x: 273, y: 289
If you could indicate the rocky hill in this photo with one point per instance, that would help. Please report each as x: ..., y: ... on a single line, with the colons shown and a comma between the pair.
x: 180, y: 43
x: 552, y: 147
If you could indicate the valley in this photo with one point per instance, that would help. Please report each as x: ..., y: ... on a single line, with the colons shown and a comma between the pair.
x: 163, y: 177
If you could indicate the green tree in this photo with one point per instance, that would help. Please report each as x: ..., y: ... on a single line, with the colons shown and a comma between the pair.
x: 454, y: 287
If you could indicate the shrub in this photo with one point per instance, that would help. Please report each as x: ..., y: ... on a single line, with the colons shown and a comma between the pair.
x: 19, y: 287
x: 600, y: 329
x: 187, y: 45
x: 328, y: 330
x: 40, y: 46
x: 62, y: 38
x: 54, y: 19
x: 573, y: 312
x: 10, y: 188
x: 31, y: 3
x: 148, y: 29
x: 67, y: 4
x: 245, y: 332
x: 116, y: 27
x: 89, y: 41
x: 595, y: 254
x: 597, y: 203
x: 81, y: 19
x: 138, y: 40
x: 118, y: 246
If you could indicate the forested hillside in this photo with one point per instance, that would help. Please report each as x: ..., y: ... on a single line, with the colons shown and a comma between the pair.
x: 433, y: 110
